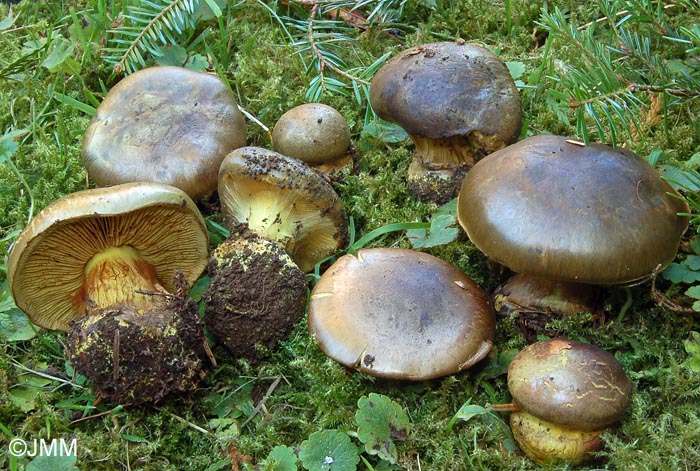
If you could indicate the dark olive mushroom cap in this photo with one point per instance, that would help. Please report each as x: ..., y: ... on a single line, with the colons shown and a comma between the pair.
x: 550, y: 207
x: 400, y: 314
x: 164, y: 124
x: 447, y: 89
x: 569, y: 383
x: 283, y: 200
x: 312, y: 132
x: 45, y: 269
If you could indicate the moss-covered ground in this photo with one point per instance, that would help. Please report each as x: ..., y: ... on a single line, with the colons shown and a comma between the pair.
x: 51, y: 50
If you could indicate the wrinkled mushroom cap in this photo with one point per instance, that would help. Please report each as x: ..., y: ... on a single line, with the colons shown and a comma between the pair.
x: 46, y: 266
x: 569, y: 383
x: 447, y: 89
x: 284, y: 200
x: 400, y: 314
x: 164, y: 124
x: 312, y: 132
x: 548, y: 207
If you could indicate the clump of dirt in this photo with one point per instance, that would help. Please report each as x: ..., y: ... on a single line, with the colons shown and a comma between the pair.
x: 256, y: 294
x: 134, y: 356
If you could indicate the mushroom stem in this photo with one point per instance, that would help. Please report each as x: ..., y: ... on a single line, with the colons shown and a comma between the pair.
x: 117, y: 275
x: 510, y: 407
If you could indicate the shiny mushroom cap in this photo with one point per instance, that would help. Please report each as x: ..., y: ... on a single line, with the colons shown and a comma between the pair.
x: 312, y: 132
x: 569, y: 383
x: 283, y: 200
x: 400, y: 314
x: 164, y: 124
x: 155, y: 225
x: 554, y: 208
x: 449, y: 90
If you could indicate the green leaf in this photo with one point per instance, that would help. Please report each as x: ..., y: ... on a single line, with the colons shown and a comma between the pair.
x: 499, y: 427
x: 281, y: 458
x: 442, y: 231
x: 467, y: 412
x: 329, y: 450
x: 14, y: 324
x: 517, y: 69
x: 693, y: 292
x: 381, y: 421
x: 132, y: 438
x: 172, y: 54
x: 680, y: 273
x: 54, y: 463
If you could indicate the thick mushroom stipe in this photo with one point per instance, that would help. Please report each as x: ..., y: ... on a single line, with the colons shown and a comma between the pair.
x: 256, y: 294
x: 547, y: 443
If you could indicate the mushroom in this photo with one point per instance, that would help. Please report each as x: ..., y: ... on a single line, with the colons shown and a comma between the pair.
x: 283, y: 200
x: 316, y: 134
x: 101, y: 264
x: 569, y: 392
x: 457, y: 101
x: 164, y: 124
x: 400, y: 314
x: 284, y: 218
x: 557, y: 209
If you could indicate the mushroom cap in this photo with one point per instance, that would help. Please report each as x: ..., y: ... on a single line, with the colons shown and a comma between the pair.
x: 45, y: 269
x: 569, y: 383
x: 164, y: 124
x: 312, y: 132
x: 284, y: 200
x: 446, y: 89
x: 591, y: 214
x: 400, y: 314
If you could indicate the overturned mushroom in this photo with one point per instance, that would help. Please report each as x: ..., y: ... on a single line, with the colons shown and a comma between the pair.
x: 458, y: 102
x: 284, y: 218
x: 164, y: 124
x: 102, y: 265
x: 400, y: 314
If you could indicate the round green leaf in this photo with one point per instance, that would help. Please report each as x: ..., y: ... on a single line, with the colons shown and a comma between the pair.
x: 329, y: 450
x: 381, y: 421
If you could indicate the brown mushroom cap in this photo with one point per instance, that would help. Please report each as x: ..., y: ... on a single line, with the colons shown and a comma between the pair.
x: 283, y: 200
x: 164, y: 124
x: 447, y: 89
x: 46, y: 267
x: 401, y: 314
x: 548, y: 207
x: 569, y: 383
x: 312, y: 132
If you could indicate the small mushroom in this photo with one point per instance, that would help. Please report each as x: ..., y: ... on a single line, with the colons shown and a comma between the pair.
x: 284, y: 218
x: 316, y: 134
x: 569, y: 393
x: 458, y: 102
x: 400, y: 314
x: 164, y: 124
x: 102, y: 264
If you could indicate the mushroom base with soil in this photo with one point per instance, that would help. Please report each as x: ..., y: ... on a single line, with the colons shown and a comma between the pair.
x: 134, y: 356
x: 436, y: 185
x: 256, y: 294
x: 537, y: 301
